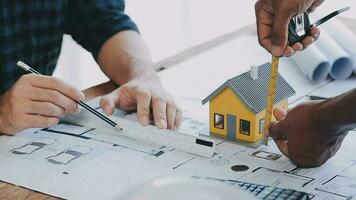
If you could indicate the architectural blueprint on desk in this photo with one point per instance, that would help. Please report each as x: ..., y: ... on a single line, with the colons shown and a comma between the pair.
x: 89, y: 162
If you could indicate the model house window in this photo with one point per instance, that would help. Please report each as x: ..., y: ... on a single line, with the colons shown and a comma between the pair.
x: 218, y: 121
x: 261, y: 125
x: 244, y: 127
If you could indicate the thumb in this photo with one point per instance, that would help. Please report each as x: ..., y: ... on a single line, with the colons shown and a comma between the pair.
x: 278, y: 132
x: 279, y: 113
x: 276, y: 129
x: 109, y: 102
x: 279, y: 33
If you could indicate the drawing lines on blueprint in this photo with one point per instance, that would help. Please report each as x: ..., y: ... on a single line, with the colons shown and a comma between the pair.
x: 274, y: 177
x: 113, y: 139
x: 340, y: 186
x: 69, y: 154
x: 64, y: 157
x: 33, y: 146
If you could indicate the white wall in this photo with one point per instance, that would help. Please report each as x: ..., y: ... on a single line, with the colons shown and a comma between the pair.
x: 169, y: 26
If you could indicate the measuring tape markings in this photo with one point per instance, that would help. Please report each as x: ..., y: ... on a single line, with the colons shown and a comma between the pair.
x: 271, y: 94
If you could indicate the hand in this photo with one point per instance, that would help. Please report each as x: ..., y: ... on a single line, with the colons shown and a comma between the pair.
x: 36, y: 101
x: 273, y: 18
x: 143, y: 93
x: 303, y: 137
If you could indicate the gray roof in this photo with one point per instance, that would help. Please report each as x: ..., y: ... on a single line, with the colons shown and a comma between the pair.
x: 254, y: 92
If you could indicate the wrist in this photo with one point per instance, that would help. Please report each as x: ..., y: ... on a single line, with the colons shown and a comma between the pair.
x: 141, y: 68
x: 337, y: 113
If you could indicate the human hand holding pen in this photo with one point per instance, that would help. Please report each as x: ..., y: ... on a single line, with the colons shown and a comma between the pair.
x: 36, y: 101
x: 273, y: 17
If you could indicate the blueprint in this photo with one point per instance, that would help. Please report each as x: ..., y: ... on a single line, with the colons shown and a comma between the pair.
x: 79, y: 161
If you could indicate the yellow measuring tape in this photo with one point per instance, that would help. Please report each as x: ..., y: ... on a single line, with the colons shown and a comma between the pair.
x: 271, y: 93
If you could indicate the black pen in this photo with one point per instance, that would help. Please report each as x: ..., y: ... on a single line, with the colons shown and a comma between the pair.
x: 28, y: 69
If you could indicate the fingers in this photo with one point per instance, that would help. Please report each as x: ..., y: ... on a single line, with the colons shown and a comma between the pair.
x: 159, y: 111
x: 143, y: 106
x: 279, y: 113
x: 109, y: 102
x: 55, y: 97
x: 148, y: 99
x: 178, y: 119
x: 171, y: 116
x: 45, y: 109
x: 314, y: 32
x: 289, y: 51
x: 174, y: 115
x: 307, y: 41
x: 53, y: 83
x: 275, y: 130
x: 278, y: 129
x: 272, y: 21
x: 39, y: 121
x: 278, y: 132
x: 279, y: 33
x: 264, y: 21
x: 297, y: 47
x: 282, y: 146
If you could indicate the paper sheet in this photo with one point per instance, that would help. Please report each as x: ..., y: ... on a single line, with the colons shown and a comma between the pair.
x: 344, y: 37
x: 91, y: 163
x: 313, y: 64
x: 340, y: 60
x: 333, y: 54
x: 335, y: 88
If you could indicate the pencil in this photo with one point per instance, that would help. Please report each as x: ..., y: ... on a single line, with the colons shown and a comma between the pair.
x: 30, y: 70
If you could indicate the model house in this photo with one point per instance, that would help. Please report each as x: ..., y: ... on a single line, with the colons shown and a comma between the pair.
x: 237, y: 108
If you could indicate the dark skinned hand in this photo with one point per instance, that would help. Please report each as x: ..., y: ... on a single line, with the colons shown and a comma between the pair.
x: 272, y: 18
x: 301, y: 134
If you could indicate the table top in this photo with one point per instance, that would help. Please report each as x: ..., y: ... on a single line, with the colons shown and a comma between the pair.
x: 9, y: 191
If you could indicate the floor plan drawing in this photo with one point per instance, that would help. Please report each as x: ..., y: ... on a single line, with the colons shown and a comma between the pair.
x: 71, y: 152
x: 33, y: 146
x: 340, y: 186
x: 68, y: 155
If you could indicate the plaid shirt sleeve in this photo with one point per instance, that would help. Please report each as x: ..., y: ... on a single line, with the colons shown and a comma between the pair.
x: 92, y: 22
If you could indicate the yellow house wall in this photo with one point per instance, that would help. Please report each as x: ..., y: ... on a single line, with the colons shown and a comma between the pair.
x: 228, y: 103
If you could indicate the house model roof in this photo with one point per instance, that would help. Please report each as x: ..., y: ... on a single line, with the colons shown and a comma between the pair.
x: 254, y: 92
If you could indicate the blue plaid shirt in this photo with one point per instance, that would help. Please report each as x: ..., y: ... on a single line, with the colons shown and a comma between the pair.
x: 32, y: 30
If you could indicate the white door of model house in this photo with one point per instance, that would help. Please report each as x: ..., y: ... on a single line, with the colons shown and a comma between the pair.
x: 231, y: 127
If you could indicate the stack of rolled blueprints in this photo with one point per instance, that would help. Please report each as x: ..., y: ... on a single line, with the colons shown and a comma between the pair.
x: 333, y: 54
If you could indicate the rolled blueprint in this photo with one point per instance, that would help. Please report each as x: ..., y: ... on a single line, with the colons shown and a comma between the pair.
x: 313, y: 64
x: 343, y: 36
x: 341, y: 63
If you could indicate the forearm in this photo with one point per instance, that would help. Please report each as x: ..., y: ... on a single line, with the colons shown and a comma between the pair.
x: 2, y: 125
x: 338, y: 112
x: 124, y: 56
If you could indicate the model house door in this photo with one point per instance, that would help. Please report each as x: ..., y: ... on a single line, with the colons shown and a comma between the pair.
x: 231, y: 127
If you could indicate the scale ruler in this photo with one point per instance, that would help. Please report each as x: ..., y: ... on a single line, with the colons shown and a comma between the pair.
x: 271, y: 94
x: 201, y: 146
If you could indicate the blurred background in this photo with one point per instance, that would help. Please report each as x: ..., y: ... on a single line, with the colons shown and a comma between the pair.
x: 168, y: 27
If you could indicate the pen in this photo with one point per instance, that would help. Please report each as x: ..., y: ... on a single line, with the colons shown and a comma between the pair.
x: 30, y: 70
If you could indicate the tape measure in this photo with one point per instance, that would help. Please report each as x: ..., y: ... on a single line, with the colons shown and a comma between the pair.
x: 298, y: 28
x: 272, y: 88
